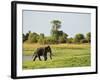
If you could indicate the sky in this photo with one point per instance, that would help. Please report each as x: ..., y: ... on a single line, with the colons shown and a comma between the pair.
x: 71, y: 23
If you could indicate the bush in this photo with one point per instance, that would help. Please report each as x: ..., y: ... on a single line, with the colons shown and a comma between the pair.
x: 33, y: 37
x: 41, y: 40
x: 70, y: 40
x: 84, y: 41
x: 88, y: 37
x: 78, y: 38
x: 50, y: 40
x: 62, y: 39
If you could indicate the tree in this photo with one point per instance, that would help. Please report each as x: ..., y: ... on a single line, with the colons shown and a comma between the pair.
x: 41, y: 35
x: 24, y: 38
x: 63, y: 38
x: 55, y: 33
x: 56, y: 24
x: 70, y: 40
x: 88, y: 37
x: 83, y: 41
x: 41, y: 38
x: 33, y: 37
x: 78, y: 38
x: 50, y: 40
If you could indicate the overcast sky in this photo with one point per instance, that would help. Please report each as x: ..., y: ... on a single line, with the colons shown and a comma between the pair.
x: 71, y: 23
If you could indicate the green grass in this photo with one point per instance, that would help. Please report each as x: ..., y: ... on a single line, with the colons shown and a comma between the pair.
x: 64, y: 55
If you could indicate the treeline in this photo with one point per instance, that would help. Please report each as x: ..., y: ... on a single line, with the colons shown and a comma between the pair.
x: 42, y: 39
x: 57, y: 36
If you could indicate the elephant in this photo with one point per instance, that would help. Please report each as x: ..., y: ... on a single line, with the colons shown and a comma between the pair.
x: 42, y: 51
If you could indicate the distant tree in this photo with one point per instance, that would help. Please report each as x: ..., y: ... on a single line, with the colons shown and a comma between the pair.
x: 30, y: 37
x: 29, y: 31
x: 88, y: 37
x: 65, y: 35
x: 33, y: 37
x: 70, y: 40
x: 63, y: 38
x: 56, y: 24
x: 55, y: 34
x: 78, y: 37
x: 42, y: 35
x: 83, y: 41
x: 41, y: 38
x: 61, y: 33
x: 24, y: 38
x: 50, y: 40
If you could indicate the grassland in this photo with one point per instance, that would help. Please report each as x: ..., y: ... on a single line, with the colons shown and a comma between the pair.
x: 64, y: 55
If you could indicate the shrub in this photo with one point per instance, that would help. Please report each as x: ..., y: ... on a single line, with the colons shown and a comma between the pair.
x: 84, y: 41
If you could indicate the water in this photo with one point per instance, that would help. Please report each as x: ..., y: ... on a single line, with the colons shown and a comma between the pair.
x: 27, y: 58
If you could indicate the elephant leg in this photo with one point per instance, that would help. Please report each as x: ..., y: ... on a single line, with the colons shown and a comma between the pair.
x: 35, y: 58
x: 45, y: 58
x: 39, y: 58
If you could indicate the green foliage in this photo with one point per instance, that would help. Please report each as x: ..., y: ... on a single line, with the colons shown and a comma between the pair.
x: 59, y: 36
x: 55, y: 34
x: 42, y: 35
x: 70, y: 40
x: 63, y: 38
x: 33, y: 37
x: 41, y: 39
x: 50, y: 40
x: 83, y: 41
x: 88, y: 37
x: 78, y: 37
x: 56, y: 24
